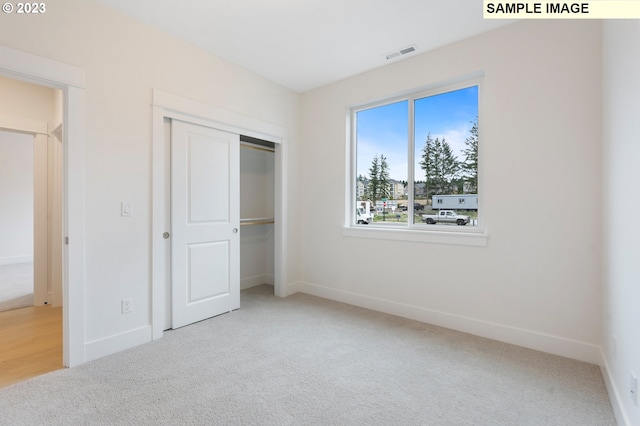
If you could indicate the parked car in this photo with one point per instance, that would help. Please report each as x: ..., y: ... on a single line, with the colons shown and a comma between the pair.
x: 416, y: 206
x: 445, y: 216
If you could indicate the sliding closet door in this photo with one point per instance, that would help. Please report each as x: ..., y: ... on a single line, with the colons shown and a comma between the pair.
x: 205, y: 217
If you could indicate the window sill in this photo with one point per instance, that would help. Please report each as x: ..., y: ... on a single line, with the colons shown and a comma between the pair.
x: 473, y: 239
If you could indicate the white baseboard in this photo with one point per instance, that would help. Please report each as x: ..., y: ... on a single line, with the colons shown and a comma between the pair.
x: 117, y: 343
x: 614, y: 396
x: 295, y: 287
x: 15, y: 259
x: 257, y: 280
x: 556, y: 345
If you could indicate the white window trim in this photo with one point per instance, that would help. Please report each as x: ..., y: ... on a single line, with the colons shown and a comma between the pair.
x: 436, y: 234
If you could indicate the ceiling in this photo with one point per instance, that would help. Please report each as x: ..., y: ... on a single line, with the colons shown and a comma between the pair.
x: 305, y: 44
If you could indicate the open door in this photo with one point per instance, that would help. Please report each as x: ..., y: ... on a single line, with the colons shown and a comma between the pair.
x: 205, y: 219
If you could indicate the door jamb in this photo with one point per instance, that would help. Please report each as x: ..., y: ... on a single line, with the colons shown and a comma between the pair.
x: 166, y: 105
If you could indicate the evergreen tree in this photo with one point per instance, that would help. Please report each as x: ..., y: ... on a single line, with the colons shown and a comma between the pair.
x: 384, y: 178
x: 450, y: 165
x: 374, y: 183
x: 441, y: 167
x: 428, y: 164
x: 379, y: 181
x: 470, y: 164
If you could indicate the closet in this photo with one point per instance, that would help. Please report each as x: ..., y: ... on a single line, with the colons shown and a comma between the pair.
x: 257, y: 171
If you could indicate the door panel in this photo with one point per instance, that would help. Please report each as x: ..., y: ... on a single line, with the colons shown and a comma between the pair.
x: 205, y: 218
x: 209, y: 179
x: 206, y: 261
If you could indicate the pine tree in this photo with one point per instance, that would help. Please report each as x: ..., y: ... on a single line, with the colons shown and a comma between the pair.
x: 470, y: 164
x: 379, y: 180
x: 428, y: 164
x: 441, y: 167
x: 384, y: 178
x: 450, y: 166
x: 374, y: 183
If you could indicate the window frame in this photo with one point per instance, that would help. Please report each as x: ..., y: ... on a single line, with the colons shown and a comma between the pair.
x: 411, y: 231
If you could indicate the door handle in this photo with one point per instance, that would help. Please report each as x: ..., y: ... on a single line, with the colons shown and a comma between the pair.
x: 165, y: 235
x: 235, y: 230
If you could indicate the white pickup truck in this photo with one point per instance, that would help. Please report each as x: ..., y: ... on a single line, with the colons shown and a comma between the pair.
x: 445, y: 216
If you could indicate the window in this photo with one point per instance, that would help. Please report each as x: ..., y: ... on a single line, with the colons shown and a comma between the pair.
x: 415, y: 162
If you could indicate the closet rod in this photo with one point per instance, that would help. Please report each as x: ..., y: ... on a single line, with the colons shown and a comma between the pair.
x: 266, y: 221
x: 257, y: 148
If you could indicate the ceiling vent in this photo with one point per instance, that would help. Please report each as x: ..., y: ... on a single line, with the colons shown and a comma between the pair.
x: 401, y: 52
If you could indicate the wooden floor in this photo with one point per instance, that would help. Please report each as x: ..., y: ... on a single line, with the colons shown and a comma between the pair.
x: 30, y: 343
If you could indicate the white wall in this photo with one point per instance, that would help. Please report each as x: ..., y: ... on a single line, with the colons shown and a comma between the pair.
x: 621, y: 156
x: 537, y: 282
x: 16, y: 197
x: 123, y: 61
x: 26, y: 100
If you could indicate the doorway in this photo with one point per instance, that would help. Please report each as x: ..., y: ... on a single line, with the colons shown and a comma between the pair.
x: 257, y: 219
x: 69, y: 80
x: 31, y: 225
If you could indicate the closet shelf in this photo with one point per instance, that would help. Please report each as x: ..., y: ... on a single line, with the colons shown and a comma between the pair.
x: 257, y: 221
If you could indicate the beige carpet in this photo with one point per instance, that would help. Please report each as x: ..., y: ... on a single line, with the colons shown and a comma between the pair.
x: 16, y: 286
x: 308, y: 361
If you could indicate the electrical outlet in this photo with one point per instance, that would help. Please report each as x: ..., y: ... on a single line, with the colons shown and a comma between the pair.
x: 127, y: 306
x: 633, y: 388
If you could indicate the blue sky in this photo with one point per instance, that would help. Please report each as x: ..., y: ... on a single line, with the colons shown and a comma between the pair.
x: 384, y: 130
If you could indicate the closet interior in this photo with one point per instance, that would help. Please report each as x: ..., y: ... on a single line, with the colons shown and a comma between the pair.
x: 257, y: 171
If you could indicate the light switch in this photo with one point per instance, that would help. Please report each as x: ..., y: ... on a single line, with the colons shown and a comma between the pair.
x: 125, y: 209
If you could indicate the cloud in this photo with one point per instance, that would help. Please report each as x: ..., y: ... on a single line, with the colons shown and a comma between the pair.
x: 455, y: 134
x: 395, y: 152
